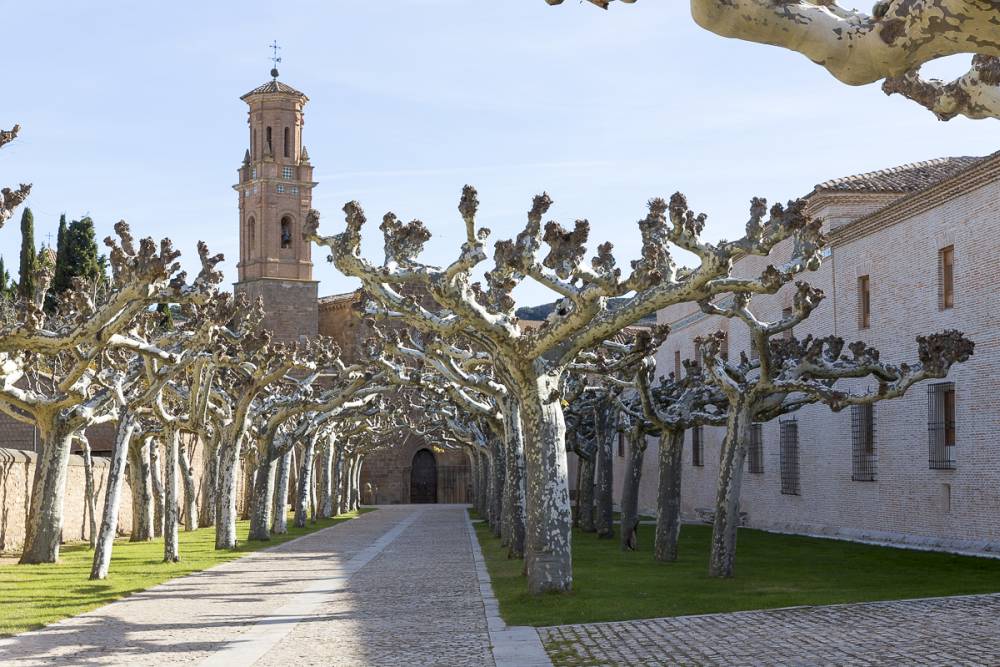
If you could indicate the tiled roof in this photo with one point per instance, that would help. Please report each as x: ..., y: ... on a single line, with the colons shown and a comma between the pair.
x: 904, y: 178
x: 273, y: 86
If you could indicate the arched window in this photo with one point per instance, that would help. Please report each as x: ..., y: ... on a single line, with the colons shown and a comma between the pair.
x: 251, y: 232
x: 267, y: 142
x: 288, y: 143
x: 286, y: 232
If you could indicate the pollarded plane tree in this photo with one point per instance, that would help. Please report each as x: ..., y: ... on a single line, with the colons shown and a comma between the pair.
x: 891, y: 44
x: 11, y: 199
x: 47, y: 363
x: 471, y: 381
x: 788, y: 374
x: 534, y: 360
x: 135, y: 383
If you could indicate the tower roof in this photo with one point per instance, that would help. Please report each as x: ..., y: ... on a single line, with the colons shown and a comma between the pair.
x: 274, y: 87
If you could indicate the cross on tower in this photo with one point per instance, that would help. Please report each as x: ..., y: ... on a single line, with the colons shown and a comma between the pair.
x: 275, y: 59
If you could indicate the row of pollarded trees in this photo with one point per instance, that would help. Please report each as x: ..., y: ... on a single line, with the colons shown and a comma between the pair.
x: 890, y: 44
x: 509, y: 387
x: 209, y: 377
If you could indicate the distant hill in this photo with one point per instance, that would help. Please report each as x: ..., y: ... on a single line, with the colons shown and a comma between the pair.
x: 542, y: 311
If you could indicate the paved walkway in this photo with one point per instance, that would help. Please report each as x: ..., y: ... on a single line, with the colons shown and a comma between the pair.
x: 941, y: 631
x: 394, y: 587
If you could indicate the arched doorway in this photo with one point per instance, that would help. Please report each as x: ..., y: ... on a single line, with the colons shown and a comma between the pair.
x: 423, y: 477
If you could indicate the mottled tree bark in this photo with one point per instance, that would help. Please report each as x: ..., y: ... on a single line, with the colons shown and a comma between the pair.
x: 171, y: 553
x: 112, y: 496
x: 340, y: 481
x: 496, y: 488
x: 727, y: 504
x: 513, y: 497
x: 668, y: 497
x: 141, y: 479
x: 630, y: 490
x: 211, y: 482
x: 279, y: 523
x: 186, y: 467
x: 263, y: 494
x: 156, y: 477
x: 604, y: 519
x: 89, y: 493
x: 327, y: 495
x: 44, y: 520
x: 548, y: 520
x: 225, y: 502
x: 305, y: 482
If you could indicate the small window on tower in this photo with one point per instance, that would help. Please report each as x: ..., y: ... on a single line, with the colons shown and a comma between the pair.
x: 295, y: 189
x: 281, y: 188
x: 286, y: 173
x: 252, y: 233
x: 288, y: 145
x: 253, y: 173
x: 286, y: 232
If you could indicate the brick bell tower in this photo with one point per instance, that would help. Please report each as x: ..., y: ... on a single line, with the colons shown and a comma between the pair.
x: 275, y: 193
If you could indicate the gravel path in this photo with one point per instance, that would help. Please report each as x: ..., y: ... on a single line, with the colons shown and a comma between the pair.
x: 393, y: 587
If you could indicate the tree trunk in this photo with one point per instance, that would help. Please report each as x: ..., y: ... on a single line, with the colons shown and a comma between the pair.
x: 141, y: 478
x: 249, y: 475
x: 496, y: 488
x: 171, y: 553
x: 483, y: 487
x: 211, y: 483
x: 279, y: 524
x: 112, y: 496
x: 727, y: 502
x: 340, y: 482
x: 356, y: 484
x: 225, y: 502
x: 585, y: 498
x: 156, y: 476
x: 305, y: 482
x: 187, y: 477
x: 44, y: 520
x: 513, y: 496
x: 548, y: 520
x: 263, y: 497
x: 630, y: 490
x: 668, y: 497
x: 604, y: 521
x: 327, y: 496
x: 89, y: 493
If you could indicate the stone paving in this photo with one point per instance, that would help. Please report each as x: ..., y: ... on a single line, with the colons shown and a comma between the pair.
x: 940, y: 631
x: 394, y: 587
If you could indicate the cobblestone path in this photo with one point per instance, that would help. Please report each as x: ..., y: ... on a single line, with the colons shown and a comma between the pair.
x: 394, y: 587
x: 939, y: 631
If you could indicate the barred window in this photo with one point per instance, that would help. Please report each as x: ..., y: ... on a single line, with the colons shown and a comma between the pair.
x: 697, y: 447
x: 253, y: 173
x: 864, y: 457
x: 756, y: 453
x: 864, y: 303
x: 941, y: 425
x: 789, y: 454
x: 280, y: 188
x: 946, y: 278
x: 286, y: 173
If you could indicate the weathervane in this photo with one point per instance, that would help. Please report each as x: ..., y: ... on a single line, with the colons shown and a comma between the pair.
x: 275, y: 58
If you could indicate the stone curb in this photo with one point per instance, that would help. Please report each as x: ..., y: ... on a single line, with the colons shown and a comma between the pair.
x: 513, y: 646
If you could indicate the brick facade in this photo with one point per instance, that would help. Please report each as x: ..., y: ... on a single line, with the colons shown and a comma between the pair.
x: 894, y: 239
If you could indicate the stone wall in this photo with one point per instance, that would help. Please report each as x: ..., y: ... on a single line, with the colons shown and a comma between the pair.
x: 389, y: 471
x: 908, y: 503
x: 17, y: 469
x: 290, y: 306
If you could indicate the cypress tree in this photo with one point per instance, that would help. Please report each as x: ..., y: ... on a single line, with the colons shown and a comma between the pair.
x: 28, y: 267
x: 78, y: 256
x: 59, y: 281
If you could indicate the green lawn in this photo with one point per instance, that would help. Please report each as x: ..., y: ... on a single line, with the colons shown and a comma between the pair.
x: 35, y: 595
x: 771, y: 571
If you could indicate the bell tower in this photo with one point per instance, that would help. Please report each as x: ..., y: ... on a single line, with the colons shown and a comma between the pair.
x: 275, y: 194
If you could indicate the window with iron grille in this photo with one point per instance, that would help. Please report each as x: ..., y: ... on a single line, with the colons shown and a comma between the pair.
x: 789, y: 454
x: 946, y: 278
x: 755, y: 456
x: 864, y: 456
x: 286, y: 173
x: 697, y: 447
x: 280, y: 188
x: 941, y: 425
x: 864, y: 302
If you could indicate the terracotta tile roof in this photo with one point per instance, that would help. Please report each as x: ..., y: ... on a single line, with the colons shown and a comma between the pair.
x: 273, y: 86
x: 904, y: 178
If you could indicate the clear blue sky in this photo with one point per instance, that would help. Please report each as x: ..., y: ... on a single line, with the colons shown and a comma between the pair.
x: 132, y: 110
